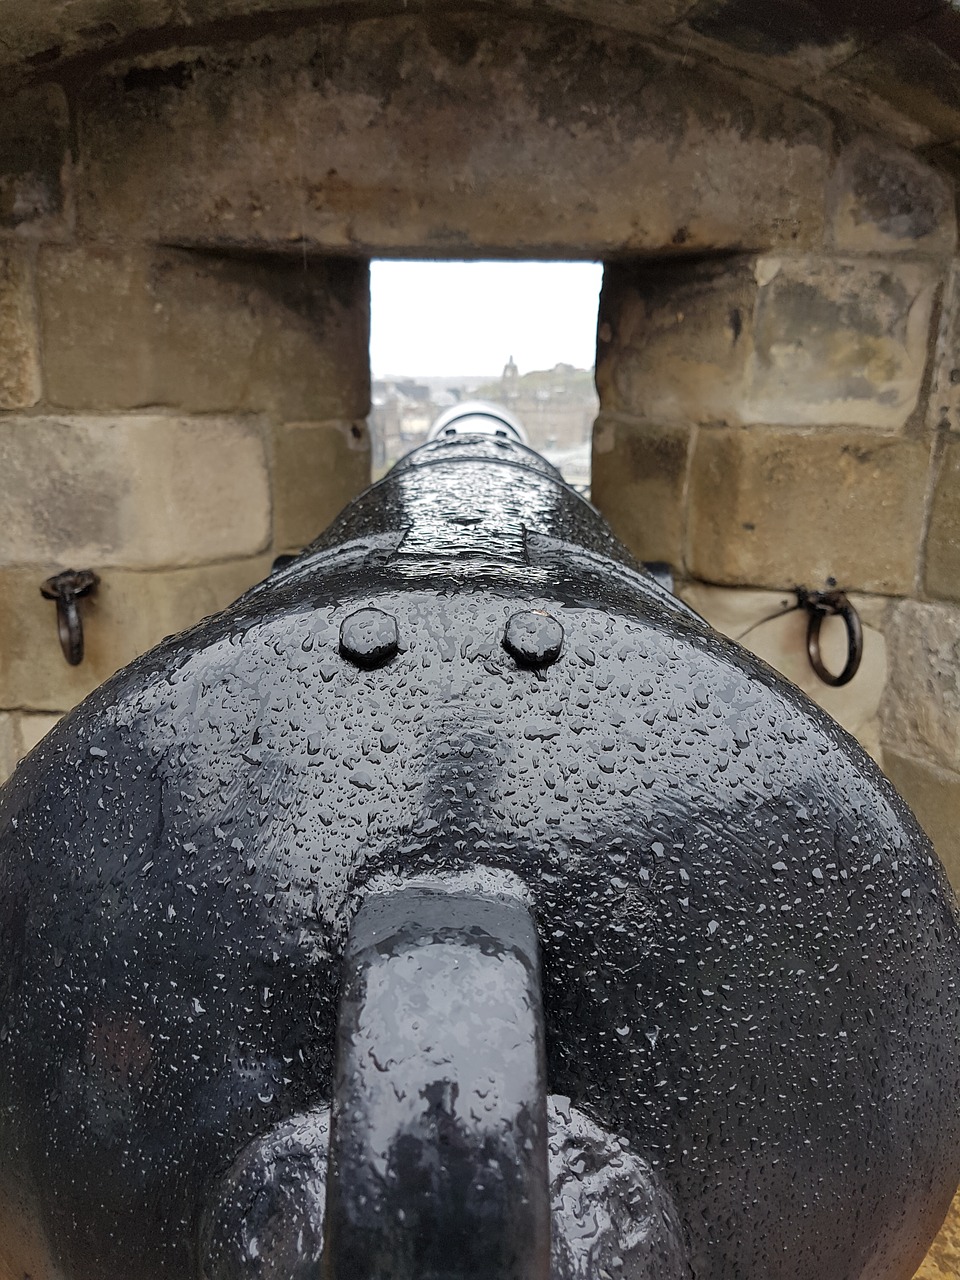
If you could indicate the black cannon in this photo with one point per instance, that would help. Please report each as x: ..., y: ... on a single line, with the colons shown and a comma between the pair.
x: 457, y: 905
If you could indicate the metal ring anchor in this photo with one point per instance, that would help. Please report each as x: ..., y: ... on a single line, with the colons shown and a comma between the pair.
x: 66, y: 588
x: 825, y: 604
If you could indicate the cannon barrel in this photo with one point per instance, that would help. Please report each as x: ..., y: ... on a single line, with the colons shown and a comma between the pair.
x: 458, y: 904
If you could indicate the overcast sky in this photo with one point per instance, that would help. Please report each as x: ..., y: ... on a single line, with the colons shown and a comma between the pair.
x: 437, y: 318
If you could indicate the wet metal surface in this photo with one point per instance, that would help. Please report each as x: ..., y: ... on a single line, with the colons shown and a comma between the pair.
x: 440, y: 1050
x: 747, y: 950
x: 369, y: 638
x: 533, y: 638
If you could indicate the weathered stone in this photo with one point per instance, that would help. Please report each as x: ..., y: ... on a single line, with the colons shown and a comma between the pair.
x: 915, y: 75
x: 882, y: 198
x: 129, y: 613
x: 38, y: 35
x: 200, y: 332
x: 35, y: 192
x: 673, y: 339
x: 44, y: 34
x: 933, y: 794
x: 943, y: 1260
x: 318, y: 467
x: 794, y: 41
x: 769, y: 624
x: 19, y: 350
x: 136, y: 491
x: 34, y: 726
x: 946, y: 157
x: 404, y: 135
x: 638, y: 481
x: 941, y: 576
x: 792, y: 341
x: 838, y: 341
x: 775, y: 507
x: 19, y: 733
x: 9, y: 744
x: 794, y: 44
x: 921, y: 709
x: 863, y: 108
x: 943, y: 412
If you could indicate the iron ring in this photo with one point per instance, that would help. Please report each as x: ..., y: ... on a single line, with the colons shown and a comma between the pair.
x: 65, y: 589
x: 70, y: 629
x: 840, y: 606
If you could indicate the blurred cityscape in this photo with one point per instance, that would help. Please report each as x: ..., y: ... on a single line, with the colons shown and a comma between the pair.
x: 556, y: 406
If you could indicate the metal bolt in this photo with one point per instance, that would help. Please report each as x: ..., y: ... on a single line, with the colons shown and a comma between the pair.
x: 533, y: 638
x: 369, y: 638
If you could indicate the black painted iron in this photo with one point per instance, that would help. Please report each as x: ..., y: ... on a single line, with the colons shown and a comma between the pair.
x: 438, y: 1151
x: 745, y: 952
x: 66, y: 589
x: 826, y: 604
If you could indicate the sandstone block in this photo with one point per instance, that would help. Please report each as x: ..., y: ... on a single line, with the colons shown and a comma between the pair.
x: 796, y: 44
x: 838, y: 341
x: 772, y: 507
x: 942, y: 552
x: 673, y: 339
x: 766, y: 623
x: 944, y: 402
x: 638, y: 481
x: 56, y: 29
x: 34, y: 726
x: 129, y: 613
x: 933, y: 794
x: 127, y: 329
x: 140, y: 491
x: 915, y: 76
x: 397, y: 134
x: 19, y: 350
x: 318, y: 467
x: 943, y: 1260
x: 802, y: 46
x: 884, y: 199
x: 40, y: 34
x: 9, y: 745
x: 35, y: 192
x: 921, y: 709
x: 782, y: 341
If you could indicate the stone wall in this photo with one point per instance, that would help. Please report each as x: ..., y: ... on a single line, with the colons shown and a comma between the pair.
x: 782, y: 419
x: 171, y: 420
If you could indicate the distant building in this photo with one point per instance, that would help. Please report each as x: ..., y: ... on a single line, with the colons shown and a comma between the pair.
x: 557, y: 407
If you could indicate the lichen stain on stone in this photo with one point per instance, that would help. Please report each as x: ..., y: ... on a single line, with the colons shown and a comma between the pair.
x: 855, y: 329
x: 897, y: 201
